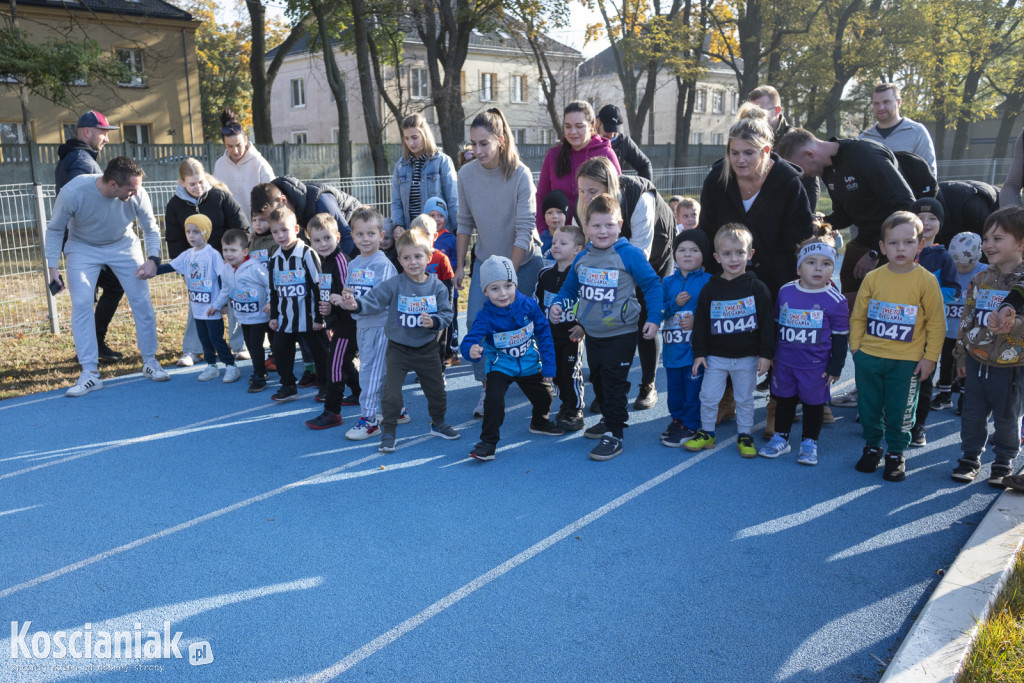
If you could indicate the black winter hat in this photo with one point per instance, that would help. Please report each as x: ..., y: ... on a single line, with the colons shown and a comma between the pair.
x: 930, y: 205
x: 697, y: 236
x: 555, y: 199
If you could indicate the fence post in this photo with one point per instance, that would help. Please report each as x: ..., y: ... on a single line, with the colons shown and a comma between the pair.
x: 51, y: 303
x: 284, y: 155
x: 992, y: 174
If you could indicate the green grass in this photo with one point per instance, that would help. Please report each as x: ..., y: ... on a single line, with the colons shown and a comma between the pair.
x: 997, y: 654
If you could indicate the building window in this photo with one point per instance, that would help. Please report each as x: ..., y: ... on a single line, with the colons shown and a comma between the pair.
x: 137, y: 133
x: 12, y: 133
x: 519, y: 134
x: 462, y: 81
x: 519, y: 88
x: 487, y: 83
x: 700, y: 102
x: 300, y: 137
x: 696, y: 138
x: 717, y: 139
x: 546, y: 136
x: 420, y: 84
x: 334, y: 135
x: 298, y: 93
x: 735, y: 102
x: 132, y: 60
x: 718, y: 102
x: 540, y: 90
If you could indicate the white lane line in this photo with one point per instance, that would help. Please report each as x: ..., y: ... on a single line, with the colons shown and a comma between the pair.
x: 476, y: 584
x: 136, y: 440
x: 11, y: 512
x: 7, y: 592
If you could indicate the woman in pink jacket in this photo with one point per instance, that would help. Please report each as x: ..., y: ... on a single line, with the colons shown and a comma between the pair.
x: 580, y: 142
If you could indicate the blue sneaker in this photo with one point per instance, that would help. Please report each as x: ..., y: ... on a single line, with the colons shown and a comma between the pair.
x: 774, y: 448
x: 808, y: 452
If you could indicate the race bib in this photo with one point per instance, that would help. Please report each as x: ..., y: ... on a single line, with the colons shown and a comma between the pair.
x: 200, y: 291
x: 891, y: 321
x: 568, y: 314
x: 360, y: 281
x: 988, y: 300
x: 670, y: 332
x: 598, y: 285
x: 955, y: 311
x: 733, y: 317
x: 410, y: 308
x: 324, y: 282
x: 290, y: 284
x: 245, y: 301
x: 261, y: 255
x: 515, y: 343
x: 800, y: 326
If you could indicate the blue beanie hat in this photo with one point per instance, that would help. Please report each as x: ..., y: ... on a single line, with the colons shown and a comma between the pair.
x: 436, y: 204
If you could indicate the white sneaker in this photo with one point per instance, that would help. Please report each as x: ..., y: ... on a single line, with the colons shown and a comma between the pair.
x: 479, y: 410
x: 243, y: 355
x: 364, y: 429
x: 211, y: 372
x: 186, y: 361
x: 151, y: 369
x: 847, y: 400
x: 404, y: 418
x: 231, y: 374
x: 87, y: 382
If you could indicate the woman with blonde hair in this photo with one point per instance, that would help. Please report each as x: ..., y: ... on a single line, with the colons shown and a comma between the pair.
x: 423, y: 172
x: 497, y: 203
x: 200, y: 193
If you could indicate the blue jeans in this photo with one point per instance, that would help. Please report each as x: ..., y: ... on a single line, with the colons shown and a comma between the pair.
x: 211, y: 336
x: 527, y: 275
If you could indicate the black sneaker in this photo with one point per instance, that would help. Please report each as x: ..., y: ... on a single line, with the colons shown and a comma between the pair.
x: 546, y: 428
x: 676, y: 435
x: 570, y: 421
x: 895, y: 467
x: 285, y: 393
x: 444, y: 430
x: 668, y: 430
x: 257, y: 383
x: 350, y: 400
x: 917, y: 437
x: 647, y: 398
x: 324, y: 420
x: 943, y: 400
x: 321, y: 395
x: 482, y: 451
x: 595, y: 407
x: 597, y: 431
x: 387, y: 443
x: 965, y: 473
x: 870, y: 459
x: 109, y: 355
x: 307, y: 380
x: 607, y: 449
x: 1015, y: 482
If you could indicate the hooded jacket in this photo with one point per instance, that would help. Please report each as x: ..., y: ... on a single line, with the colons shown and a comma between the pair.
x: 985, y: 294
x: 247, y: 290
x: 549, y: 180
x: 75, y: 158
x: 676, y: 349
x: 734, y: 319
x: 630, y: 153
x: 251, y: 170
x: 528, y: 349
x: 216, y: 204
x: 309, y: 199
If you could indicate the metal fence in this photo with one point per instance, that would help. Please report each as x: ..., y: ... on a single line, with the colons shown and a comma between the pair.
x: 26, y: 305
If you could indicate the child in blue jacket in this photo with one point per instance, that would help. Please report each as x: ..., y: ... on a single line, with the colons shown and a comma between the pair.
x: 691, y: 249
x: 513, y: 337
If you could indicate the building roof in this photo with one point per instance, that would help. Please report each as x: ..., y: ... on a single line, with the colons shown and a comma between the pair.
x: 603, y: 64
x: 477, y: 39
x: 141, y: 8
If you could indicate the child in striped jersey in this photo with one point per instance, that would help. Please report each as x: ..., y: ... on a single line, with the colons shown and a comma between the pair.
x: 366, y: 271
x: 813, y: 327
x: 417, y: 309
x: 294, y: 301
x: 323, y: 235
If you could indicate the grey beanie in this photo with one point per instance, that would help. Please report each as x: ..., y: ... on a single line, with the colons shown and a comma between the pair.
x: 497, y: 268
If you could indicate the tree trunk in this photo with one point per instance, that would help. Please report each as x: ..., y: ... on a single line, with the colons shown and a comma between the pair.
x: 336, y: 81
x: 961, y: 138
x: 26, y: 114
x: 686, y: 90
x: 1011, y: 110
x: 371, y: 115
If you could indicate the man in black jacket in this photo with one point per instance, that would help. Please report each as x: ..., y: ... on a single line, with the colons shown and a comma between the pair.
x: 306, y: 200
x: 78, y: 157
x: 608, y: 121
x: 767, y: 97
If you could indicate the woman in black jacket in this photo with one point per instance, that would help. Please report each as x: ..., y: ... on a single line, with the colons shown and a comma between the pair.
x: 200, y: 193
x: 757, y: 188
x: 649, y: 225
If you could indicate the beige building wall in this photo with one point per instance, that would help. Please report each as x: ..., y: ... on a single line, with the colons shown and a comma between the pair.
x: 166, y: 106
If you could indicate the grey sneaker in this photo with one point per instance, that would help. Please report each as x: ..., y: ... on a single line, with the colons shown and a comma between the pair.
x: 387, y: 443
x: 607, y: 448
x: 444, y: 430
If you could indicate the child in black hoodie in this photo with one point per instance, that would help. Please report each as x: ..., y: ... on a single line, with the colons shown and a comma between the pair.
x: 733, y: 317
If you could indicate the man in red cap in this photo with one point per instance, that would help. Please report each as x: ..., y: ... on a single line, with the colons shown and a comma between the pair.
x: 78, y: 157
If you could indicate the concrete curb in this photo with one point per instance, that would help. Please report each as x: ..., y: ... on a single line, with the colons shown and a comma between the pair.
x: 938, y: 642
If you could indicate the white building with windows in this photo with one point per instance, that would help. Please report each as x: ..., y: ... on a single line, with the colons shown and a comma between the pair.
x: 499, y: 71
x: 715, y: 106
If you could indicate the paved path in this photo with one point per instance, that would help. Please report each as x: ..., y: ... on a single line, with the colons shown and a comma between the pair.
x: 296, y: 553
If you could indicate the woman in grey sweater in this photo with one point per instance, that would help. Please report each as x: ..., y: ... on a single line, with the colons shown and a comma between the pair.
x: 496, y: 202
